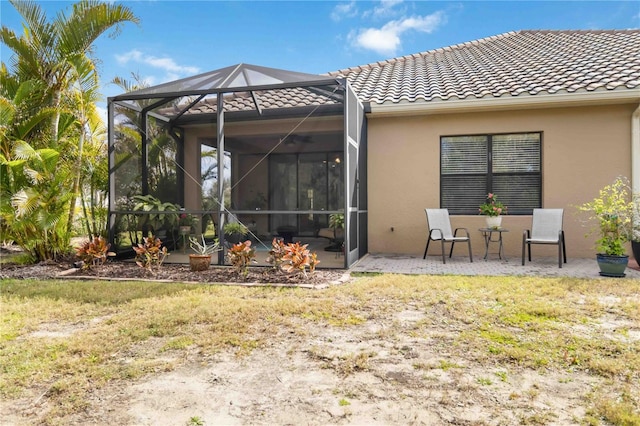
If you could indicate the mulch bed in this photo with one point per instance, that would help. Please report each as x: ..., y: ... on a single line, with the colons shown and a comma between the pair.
x: 119, y: 270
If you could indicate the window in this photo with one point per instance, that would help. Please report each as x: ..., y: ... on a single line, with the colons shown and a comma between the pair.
x: 508, y: 165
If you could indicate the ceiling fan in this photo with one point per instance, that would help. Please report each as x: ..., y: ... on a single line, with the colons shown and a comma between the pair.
x: 296, y: 139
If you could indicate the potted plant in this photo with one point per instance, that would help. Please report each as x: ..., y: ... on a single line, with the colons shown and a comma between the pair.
x: 185, y: 222
x: 201, y: 259
x: 335, y: 232
x: 160, y: 216
x: 336, y: 222
x: 235, y: 232
x: 493, y: 210
x: 612, y: 212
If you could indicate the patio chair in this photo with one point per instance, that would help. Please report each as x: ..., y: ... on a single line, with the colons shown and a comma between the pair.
x: 335, y: 236
x: 546, y: 229
x: 439, y: 226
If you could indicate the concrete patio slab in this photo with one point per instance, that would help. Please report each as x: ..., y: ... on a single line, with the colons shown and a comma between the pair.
x: 460, y: 265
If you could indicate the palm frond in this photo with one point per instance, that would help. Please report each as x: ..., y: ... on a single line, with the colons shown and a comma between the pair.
x: 23, y: 151
x: 25, y: 201
x: 27, y: 127
x: 88, y: 21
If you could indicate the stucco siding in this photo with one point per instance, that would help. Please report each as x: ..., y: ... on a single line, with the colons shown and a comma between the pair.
x: 583, y: 149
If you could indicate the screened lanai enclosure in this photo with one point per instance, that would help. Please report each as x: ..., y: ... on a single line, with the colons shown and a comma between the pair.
x: 281, y: 152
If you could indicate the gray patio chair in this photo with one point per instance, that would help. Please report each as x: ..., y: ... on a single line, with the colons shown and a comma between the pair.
x: 546, y: 229
x: 439, y: 226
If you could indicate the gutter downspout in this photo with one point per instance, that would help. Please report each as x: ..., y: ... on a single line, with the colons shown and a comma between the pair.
x: 635, y: 159
x: 635, y: 165
x: 635, y: 151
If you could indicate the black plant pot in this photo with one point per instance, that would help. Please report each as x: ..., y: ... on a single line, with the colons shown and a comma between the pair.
x: 611, y: 265
x: 234, y: 238
x: 635, y: 248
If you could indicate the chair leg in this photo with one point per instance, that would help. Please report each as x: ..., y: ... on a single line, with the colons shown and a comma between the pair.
x: 564, y: 248
x: 426, y: 248
x: 451, y: 251
x: 442, y: 247
x: 523, y: 249
x: 560, y: 254
x: 470, y: 255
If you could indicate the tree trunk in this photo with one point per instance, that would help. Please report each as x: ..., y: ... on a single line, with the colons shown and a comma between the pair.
x: 76, y: 183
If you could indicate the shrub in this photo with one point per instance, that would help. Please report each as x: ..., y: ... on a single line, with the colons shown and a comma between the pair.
x: 94, y: 252
x: 298, y: 258
x: 277, y: 253
x: 292, y: 257
x: 612, y: 214
x: 241, y: 255
x: 150, y: 254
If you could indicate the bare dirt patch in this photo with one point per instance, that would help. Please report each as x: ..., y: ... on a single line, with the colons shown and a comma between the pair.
x: 357, y: 376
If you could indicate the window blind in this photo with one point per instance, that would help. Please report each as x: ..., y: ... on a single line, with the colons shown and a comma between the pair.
x: 512, y: 170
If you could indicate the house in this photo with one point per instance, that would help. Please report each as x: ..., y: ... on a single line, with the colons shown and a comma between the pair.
x: 541, y: 118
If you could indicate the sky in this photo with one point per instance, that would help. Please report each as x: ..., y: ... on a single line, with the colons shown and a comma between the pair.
x: 177, y: 39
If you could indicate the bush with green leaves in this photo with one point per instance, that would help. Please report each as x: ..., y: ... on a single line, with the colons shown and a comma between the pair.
x: 34, y: 201
x: 611, y: 213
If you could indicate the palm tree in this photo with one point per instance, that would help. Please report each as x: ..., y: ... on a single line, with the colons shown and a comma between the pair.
x: 40, y: 201
x: 53, y: 56
x: 51, y: 51
x: 83, y: 95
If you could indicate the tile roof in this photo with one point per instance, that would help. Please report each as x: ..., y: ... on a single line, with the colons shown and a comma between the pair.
x: 507, y: 65
x: 267, y: 99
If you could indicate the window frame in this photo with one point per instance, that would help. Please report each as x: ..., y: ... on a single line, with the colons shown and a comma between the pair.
x: 490, y: 174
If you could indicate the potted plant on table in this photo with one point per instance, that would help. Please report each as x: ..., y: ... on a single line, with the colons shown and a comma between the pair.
x: 493, y: 209
x: 186, y: 222
x: 612, y: 212
x: 201, y: 260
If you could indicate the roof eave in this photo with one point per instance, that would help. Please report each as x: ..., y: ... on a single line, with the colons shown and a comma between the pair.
x: 505, y: 103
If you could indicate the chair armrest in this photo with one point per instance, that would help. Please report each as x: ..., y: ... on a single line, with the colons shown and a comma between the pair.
x: 434, y: 230
x: 455, y: 233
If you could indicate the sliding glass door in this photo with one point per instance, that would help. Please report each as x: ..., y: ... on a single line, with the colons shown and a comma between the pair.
x: 305, y: 184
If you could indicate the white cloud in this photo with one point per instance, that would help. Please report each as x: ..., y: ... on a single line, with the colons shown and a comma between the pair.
x: 385, y: 9
x: 379, y: 40
x: 166, y: 64
x: 344, y: 10
x: 386, y: 40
